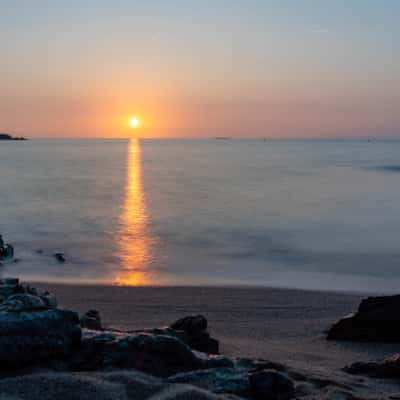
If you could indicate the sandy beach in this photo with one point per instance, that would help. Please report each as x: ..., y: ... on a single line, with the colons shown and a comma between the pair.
x: 277, y: 324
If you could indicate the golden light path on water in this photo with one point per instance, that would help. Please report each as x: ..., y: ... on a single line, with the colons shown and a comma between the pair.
x: 134, y: 243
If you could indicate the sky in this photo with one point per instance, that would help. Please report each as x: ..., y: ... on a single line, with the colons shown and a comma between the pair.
x: 276, y: 69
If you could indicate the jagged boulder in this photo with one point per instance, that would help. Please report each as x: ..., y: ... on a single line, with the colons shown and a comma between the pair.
x: 156, y: 354
x: 273, y: 385
x: 194, y: 333
x: 115, y: 385
x: 389, y: 368
x: 376, y: 320
x: 218, y: 380
x: 23, y: 302
x: 33, y: 337
x: 16, y: 297
x: 8, y: 287
x: 91, y: 320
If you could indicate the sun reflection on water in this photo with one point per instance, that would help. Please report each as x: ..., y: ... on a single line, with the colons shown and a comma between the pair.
x: 134, y: 242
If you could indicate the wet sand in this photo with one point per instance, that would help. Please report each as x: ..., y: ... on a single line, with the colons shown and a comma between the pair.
x: 277, y: 324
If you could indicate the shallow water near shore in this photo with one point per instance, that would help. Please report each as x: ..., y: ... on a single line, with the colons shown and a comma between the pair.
x: 308, y: 214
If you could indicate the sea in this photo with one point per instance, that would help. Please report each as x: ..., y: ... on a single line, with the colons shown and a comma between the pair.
x: 309, y: 214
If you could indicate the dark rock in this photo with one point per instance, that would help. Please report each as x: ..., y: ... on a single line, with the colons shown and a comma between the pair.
x: 22, y: 302
x: 377, y: 319
x: 195, y: 334
x: 389, y: 368
x: 37, y: 336
x: 191, y: 324
x: 271, y: 385
x: 8, y: 287
x: 91, y: 320
x: 31, y: 290
x: 217, y: 380
x: 254, y: 365
x: 17, y: 297
x: 65, y: 386
x: 59, y: 257
x: 49, y: 299
x: 157, y: 355
x: 214, y: 361
x: 6, y: 136
x: 8, y: 251
x: 9, y: 281
x: 89, y: 356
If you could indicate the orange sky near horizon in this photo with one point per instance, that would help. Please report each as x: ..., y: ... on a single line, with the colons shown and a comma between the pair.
x: 254, y: 69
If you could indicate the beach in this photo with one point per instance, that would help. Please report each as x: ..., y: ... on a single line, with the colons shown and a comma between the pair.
x: 286, y: 326
x: 250, y: 343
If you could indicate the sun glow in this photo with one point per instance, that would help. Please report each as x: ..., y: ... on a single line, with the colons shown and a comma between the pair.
x: 134, y: 122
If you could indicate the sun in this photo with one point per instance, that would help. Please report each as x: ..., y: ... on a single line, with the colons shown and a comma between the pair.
x: 134, y: 122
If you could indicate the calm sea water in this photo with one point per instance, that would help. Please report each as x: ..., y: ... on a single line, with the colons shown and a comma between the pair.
x: 308, y: 214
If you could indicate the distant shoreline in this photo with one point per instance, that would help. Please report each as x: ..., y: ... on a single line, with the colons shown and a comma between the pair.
x: 6, y: 136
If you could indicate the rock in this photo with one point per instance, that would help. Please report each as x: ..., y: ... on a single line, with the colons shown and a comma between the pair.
x: 339, y: 394
x: 59, y: 257
x: 195, y: 333
x: 217, y: 380
x: 254, y: 365
x: 31, y: 290
x: 28, y: 302
x: 89, y: 356
x: 49, y: 299
x: 8, y: 286
x: 6, y: 136
x: 22, y: 302
x: 214, y: 361
x: 8, y: 251
x: 9, y: 281
x: 305, y: 389
x: 271, y: 385
x: 50, y: 386
x: 186, y: 392
x: 17, y: 297
x: 37, y: 336
x: 191, y: 325
x: 389, y: 368
x: 157, y: 355
x: 377, y: 319
x: 138, y: 385
x: 91, y: 320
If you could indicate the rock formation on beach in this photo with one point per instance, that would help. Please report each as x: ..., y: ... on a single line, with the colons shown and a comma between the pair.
x: 376, y: 320
x: 389, y: 368
x: 47, y: 353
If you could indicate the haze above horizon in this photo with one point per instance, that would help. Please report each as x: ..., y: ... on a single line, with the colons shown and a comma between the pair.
x: 276, y: 69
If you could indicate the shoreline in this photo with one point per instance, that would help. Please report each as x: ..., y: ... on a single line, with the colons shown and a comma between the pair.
x: 282, y: 325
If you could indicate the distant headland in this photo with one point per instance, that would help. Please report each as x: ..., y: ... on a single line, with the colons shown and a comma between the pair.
x: 6, y: 136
